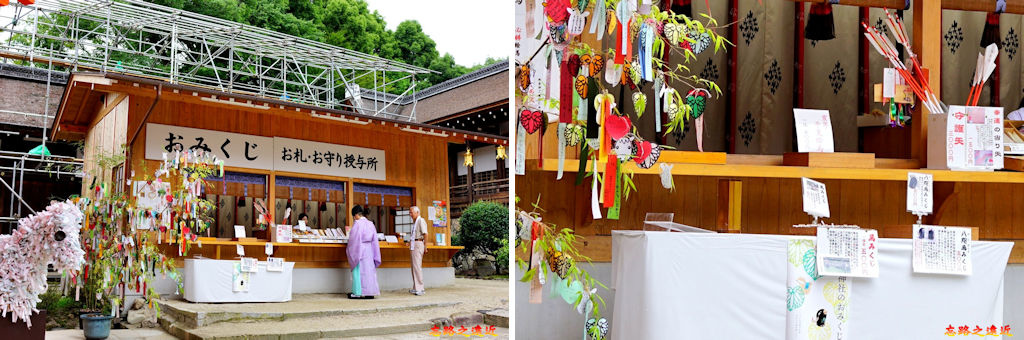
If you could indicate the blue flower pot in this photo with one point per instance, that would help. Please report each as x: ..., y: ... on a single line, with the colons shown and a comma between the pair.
x: 96, y: 326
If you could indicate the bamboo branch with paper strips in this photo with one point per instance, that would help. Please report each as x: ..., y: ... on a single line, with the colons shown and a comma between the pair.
x: 553, y: 251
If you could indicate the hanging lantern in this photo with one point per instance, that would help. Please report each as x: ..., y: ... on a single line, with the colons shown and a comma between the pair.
x: 501, y: 152
x: 468, y: 161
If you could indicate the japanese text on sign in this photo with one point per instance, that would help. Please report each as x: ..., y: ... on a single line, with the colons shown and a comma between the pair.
x: 919, y: 193
x: 257, y: 152
x: 815, y: 198
x: 974, y: 138
x: 942, y: 250
x: 847, y: 252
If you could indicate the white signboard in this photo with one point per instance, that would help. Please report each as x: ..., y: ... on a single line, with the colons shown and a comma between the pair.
x: 239, y: 231
x: 813, y: 130
x: 243, y: 151
x: 248, y: 264
x: 919, y: 193
x: 815, y: 198
x: 275, y: 264
x: 328, y: 159
x: 818, y: 306
x: 974, y: 138
x: 847, y: 252
x: 257, y: 152
x: 942, y: 250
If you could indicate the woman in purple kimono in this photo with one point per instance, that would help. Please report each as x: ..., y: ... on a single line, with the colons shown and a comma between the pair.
x: 363, y: 256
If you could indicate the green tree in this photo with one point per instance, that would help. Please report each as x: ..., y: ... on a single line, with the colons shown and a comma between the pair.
x: 482, y: 227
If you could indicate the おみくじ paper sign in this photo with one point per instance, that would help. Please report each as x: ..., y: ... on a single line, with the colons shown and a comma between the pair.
x: 919, y: 193
x: 847, y: 251
x: 942, y: 250
x: 815, y: 198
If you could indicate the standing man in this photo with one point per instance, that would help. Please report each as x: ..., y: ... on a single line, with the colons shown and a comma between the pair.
x: 363, y: 256
x: 417, y: 248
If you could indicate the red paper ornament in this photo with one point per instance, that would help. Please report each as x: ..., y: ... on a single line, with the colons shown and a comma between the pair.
x: 617, y: 126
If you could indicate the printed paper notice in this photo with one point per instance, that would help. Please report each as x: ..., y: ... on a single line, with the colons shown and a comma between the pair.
x: 919, y: 193
x: 813, y: 130
x: 942, y: 250
x: 974, y: 138
x: 275, y: 264
x: 248, y: 264
x: 847, y: 252
x: 818, y: 307
x: 815, y: 198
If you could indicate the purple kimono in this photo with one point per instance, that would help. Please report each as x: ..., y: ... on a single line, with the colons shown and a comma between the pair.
x: 364, y: 251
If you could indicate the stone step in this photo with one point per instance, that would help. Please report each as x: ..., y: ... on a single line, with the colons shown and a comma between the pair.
x: 187, y: 318
x: 333, y: 326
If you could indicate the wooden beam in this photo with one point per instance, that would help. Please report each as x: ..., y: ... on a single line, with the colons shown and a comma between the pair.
x: 730, y: 205
x: 928, y: 47
x: 74, y: 128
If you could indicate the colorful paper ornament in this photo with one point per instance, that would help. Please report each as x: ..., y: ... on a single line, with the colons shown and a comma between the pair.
x: 597, y: 329
x: 624, y: 147
x: 666, y: 176
x: 522, y: 77
x: 617, y: 126
x: 593, y: 64
x: 47, y: 237
x: 674, y: 32
x: 613, y: 74
x: 651, y: 158
x: 531, y: 120
x: 701, y: 41
x: 639, y: 103
x: 581, y: 85
x: 557, y: 10
x: 573, y: 134
x: 697, y: 99
x: 577, y: 20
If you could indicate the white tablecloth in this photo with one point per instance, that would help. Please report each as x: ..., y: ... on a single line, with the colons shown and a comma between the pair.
x: 733, y: 286
x: 208, y: 280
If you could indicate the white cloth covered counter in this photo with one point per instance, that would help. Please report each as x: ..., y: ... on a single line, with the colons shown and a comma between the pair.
x: 733, y: 286
x: 208, y: 280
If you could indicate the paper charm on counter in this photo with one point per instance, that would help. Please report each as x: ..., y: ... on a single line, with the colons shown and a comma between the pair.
x: 639, y: 103
x: 697, y: 100
x: 666, y: 176
x: 598, y: 21
x: 561, y: 150
x: 531, y: 120
x: 647, y: 154
x: 577, y: 21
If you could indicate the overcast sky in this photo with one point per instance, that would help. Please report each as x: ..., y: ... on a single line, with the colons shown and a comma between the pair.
x: 470, y: 30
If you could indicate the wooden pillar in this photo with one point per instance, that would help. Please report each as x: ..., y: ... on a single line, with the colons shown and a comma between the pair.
x: 730, y: 205
x: 272, y: 197
x: 927, y: 44
x: 469, y: 176
x: 350, y: 189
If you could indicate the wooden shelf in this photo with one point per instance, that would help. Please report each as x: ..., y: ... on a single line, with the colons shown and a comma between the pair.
x: 770, y: 167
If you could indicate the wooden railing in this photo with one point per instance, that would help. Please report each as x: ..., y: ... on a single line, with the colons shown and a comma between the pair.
x: 464, y: 195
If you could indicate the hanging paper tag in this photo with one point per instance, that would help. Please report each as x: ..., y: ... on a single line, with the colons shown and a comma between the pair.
x: 919, y: 193
x: 611, y: 166
x: 269, y: 249
x: 561, y: 150
x: 613, y: 212
x: 815, y: 198
x: 598, y: 21
x: 520, y: 150
x: 595, y: 204
x: 239, y: 250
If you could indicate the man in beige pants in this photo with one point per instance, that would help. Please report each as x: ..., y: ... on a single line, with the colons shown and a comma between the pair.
x: 417, y: 248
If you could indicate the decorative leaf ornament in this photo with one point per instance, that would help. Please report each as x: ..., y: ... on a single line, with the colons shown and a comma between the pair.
x: 581, y: 86
x: 597, y: 328
x: 523, y: 77
x: 639, y: 103
x: 701, y: 41
x: 593, y: 63
x: 573, y: 134
x: 697, y: 100
x: 650, y: 152
x: 531, y: 120
x: 674, y: 32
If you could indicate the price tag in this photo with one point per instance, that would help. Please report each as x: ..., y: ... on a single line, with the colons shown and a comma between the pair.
x: 919, y: 193
x: 269, y: 250
x: 815, y: 198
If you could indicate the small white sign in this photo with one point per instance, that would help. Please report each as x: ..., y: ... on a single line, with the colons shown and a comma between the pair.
x: 284, y: 233
x: 239, y: 250
x: 302, y: 225
x: 919, y: 193
x: 269, y: 249
x: 847, y: 252
x: 248, y: 264
x: 815, y: 198
x: 275, y: 264
x: 391, y: 239
x: 431, y: 213
x: 239, y: 231
x: 813, y: 130
x: 942, y: 250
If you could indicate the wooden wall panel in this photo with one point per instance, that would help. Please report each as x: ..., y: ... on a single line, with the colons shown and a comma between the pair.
x: 772, y: 206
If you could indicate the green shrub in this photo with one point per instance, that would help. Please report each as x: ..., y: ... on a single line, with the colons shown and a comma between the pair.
x: 502, y: 256
x: 482, y: 226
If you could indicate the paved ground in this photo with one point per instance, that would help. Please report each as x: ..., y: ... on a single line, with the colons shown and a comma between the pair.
x: 470, y: 294
x: 501, y: 332
x: 115, y: 334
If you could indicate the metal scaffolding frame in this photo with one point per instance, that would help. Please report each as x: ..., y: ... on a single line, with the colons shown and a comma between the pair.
x: 139, y: 38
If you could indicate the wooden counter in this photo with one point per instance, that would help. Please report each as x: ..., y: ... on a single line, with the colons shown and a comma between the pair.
x: 313, y: 255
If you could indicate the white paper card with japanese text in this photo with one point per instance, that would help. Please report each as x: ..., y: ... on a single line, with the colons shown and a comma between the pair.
x: 239, y: 250
x: 813, y: 130
x: 815, y: 198
x: 248, y: 264
x: 847, y: 251
x: 942, y: 250
x: 275, y: 264
x: 239, y: 231
x: 974, y: 138
x: 919, y: 193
